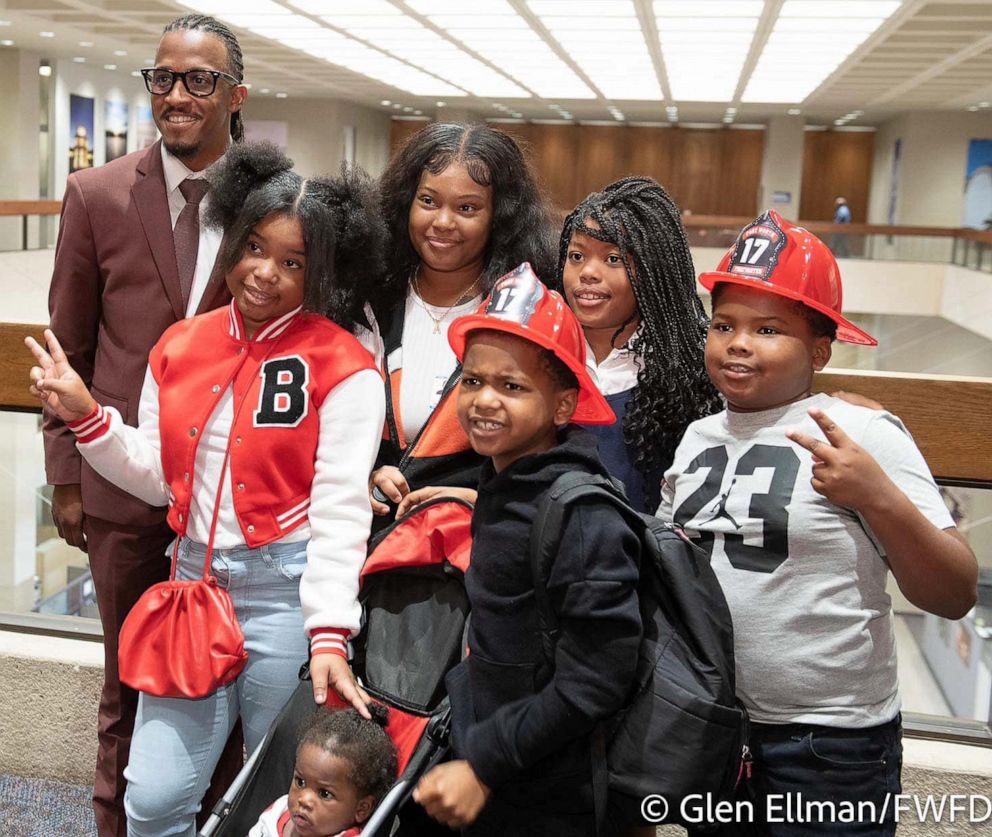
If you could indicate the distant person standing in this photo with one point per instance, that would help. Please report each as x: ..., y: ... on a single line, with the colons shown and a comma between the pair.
x: 840, y: 243
x: 131, y: 260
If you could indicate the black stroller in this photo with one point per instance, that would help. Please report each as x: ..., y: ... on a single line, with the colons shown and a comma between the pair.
x: 415, y: 619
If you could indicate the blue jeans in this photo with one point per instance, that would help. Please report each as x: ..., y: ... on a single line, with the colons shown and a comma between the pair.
x: 178, y: 741
x: 805, y: 763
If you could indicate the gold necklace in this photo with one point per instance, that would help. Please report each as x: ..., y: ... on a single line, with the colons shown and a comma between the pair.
x: 423, y: 304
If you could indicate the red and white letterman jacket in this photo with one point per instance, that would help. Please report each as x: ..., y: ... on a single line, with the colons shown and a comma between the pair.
x: 302, y: 407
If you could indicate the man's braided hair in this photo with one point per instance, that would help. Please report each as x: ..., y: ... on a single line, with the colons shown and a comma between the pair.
x: 236, y: 64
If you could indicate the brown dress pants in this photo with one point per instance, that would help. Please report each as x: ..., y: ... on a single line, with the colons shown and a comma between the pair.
x: 125, y: 561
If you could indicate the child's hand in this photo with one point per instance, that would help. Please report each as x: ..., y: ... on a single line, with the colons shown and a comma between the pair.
x: 429, y: 492
x: 452, y: 794
x: 857, y: 399
x: 390, y: 483
x: 843, y: 472
x: 55, y: 383
x: 332, y: 670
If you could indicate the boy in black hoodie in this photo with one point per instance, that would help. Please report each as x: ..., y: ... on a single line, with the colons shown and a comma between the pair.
x: 521, y: 732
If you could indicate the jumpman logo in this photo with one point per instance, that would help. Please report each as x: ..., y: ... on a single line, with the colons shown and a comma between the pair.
x: 721, y: 507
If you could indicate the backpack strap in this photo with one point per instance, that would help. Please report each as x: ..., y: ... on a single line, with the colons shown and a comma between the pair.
x: 545, y: 540
x: 392, y: 339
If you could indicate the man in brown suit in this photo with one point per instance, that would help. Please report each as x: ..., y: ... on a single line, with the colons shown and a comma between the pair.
x: 132, y: 259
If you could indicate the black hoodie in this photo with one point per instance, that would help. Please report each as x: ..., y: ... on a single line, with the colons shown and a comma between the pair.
x: 528, y: 738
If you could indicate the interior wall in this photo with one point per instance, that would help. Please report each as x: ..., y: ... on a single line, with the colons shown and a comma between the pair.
x: 932, y: 167
x: 882, y: 197
x: 316, y: 132
x: 836, y: 163
x: 19, y: 156
x: 782, y: 166
x: 101, y: 86
x: 315, y: 127
x: 707, y: 172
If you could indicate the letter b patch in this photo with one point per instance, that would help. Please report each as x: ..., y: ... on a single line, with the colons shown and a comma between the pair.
x: 284, y: 399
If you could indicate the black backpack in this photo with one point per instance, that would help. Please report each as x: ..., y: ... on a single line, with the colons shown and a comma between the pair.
x: 682, y: 731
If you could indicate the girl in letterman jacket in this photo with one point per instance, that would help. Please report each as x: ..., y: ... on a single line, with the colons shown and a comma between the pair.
x: 276, y: 387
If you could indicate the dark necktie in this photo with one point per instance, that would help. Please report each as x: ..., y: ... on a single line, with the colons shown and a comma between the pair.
x: 186, y: 235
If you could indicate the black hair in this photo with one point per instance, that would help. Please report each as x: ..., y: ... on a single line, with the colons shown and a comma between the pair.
x: 343, y: 234
x: 235, y: 60
x: 819, y: 323
x: 369, y: 752
x: 673, y: 390
x: 522, y: 228
x: 563, y: 377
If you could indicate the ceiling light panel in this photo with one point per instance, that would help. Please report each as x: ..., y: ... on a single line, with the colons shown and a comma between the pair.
x: 277, y: 22
x: 339, y: 49
x: 704, y: 45
x: 219, y: 8
x: 346, y: 7
x: 507, y: 41
x: 624, y: 70
x: 408, y: 39
x: 811, y: 39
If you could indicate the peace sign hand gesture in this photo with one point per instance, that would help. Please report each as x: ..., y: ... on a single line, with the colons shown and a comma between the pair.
x: 54, y: 382
x: 843, y: 472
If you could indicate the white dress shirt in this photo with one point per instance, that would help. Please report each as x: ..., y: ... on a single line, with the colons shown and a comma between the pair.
x: 617, y: 372
x: 175, y: 173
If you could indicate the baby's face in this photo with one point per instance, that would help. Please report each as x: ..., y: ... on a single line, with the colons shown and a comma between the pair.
x: 322, y: 799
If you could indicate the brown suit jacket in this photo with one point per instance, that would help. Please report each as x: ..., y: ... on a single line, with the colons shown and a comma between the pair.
x: 115, y: 289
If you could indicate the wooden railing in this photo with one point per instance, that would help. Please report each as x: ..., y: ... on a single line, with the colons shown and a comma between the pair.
x: 825, y: 228
x: 25, y: 209
x: 948, y: 416
x: 970, y: 248
x: 15, y: 361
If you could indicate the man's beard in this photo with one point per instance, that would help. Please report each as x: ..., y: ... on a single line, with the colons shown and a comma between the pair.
x: 182, y: 150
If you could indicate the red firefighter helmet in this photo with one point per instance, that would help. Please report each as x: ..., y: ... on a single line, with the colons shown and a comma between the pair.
x: 520, y: 304
x: 774, y: 255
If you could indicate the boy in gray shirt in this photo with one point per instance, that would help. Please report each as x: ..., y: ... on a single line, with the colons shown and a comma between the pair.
x: 806, y: 502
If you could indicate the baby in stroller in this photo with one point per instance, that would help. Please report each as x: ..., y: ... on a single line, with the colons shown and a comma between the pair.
x: 345, y: 764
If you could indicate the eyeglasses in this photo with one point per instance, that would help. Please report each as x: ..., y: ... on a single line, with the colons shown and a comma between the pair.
x: 199, y: 83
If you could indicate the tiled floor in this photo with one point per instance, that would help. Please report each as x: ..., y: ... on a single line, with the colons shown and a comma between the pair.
x: 926, y: 345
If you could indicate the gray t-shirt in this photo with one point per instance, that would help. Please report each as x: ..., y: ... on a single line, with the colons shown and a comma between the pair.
x: 805, y: 579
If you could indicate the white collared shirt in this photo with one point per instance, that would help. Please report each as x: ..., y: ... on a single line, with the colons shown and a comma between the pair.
x: 175, y: 173
x: 617, y: 372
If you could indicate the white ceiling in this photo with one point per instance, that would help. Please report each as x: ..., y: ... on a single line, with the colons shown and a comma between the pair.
x: 858, y: 61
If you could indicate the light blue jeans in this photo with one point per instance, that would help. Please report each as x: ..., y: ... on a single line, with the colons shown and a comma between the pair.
x: 178, y: 741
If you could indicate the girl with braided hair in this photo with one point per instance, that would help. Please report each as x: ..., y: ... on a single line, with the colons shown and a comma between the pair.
x: 258, y: 426
x: 626, y: 271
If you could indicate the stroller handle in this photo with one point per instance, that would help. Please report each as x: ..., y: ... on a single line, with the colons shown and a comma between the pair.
x: 399, y: 793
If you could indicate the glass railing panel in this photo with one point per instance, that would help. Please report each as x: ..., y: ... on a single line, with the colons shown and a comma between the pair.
x: 945, y: 666
x: 907, y: 248
x: 39, y: 572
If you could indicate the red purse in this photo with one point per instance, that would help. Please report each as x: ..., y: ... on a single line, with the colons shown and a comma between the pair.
x: 182, y: 638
